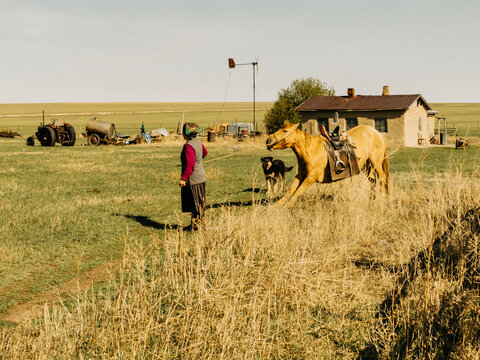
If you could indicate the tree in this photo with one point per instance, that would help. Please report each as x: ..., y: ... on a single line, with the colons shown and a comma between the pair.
x: 299, y: 91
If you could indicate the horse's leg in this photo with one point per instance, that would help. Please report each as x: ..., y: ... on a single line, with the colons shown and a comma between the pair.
x: 371, y: 175
x: 385, y: 171
x: 304, y: 186
x: 381, y: 170
x: 295, y: 184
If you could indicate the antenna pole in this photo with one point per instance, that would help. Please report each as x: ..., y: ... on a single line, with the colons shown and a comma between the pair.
x: 231, y: 65
x: 254, y: 124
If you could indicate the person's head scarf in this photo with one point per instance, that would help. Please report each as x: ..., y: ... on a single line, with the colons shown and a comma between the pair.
x: 191, y: 129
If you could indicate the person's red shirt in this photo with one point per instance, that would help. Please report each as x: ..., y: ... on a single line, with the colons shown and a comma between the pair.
x: 190, y: 156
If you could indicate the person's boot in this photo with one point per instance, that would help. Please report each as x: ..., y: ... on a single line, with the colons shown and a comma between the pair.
x: 196, y: 222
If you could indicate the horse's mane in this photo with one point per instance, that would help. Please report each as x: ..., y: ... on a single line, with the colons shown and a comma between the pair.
x: 308, y: 138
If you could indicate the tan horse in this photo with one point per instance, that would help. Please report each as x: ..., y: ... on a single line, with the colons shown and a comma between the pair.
x: 370, y: 150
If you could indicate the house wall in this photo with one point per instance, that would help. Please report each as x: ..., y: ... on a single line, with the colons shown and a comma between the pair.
x: 395, y: 134
x: 417, y: 125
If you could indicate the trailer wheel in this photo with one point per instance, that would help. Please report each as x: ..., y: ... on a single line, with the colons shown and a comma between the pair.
x: 47, y: 136
x: 71, y: 135
x: 94, y: 140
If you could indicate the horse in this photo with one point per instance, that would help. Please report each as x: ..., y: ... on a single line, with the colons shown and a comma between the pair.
x: 369, y: 147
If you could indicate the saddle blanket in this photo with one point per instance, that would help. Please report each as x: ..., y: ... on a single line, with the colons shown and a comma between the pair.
x: 347, y: 155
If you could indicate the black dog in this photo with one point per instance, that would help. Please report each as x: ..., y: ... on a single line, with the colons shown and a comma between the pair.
x: 274, y: 171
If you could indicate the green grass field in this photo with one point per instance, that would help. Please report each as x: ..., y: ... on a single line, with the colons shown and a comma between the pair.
x: 61, y: 204
x: 65, y: 210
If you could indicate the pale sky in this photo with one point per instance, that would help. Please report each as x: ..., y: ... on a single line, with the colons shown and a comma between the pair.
x: 145, y: 50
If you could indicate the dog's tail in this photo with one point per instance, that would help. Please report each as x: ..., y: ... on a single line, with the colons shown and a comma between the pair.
x: 289, y: 168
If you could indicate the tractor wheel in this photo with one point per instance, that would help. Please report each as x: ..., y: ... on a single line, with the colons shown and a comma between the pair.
x: 47, y: 136
x: 94, y: 140
x: 71, y: 136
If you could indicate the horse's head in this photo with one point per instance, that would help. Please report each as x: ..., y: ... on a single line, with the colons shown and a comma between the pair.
x: 283, y: 138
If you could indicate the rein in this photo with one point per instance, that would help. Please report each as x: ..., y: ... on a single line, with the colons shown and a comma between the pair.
x: 279, y: 141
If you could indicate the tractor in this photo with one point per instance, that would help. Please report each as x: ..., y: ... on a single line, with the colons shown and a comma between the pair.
x: 57, y: 131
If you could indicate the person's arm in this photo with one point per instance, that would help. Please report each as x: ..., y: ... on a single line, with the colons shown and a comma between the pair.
x: 190, y: 166
x: 204, y: 151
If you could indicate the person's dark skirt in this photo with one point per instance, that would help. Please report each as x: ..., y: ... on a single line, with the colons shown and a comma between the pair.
x: 194, y: 198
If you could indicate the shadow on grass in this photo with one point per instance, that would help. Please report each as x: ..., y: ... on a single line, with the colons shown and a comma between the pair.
x: 255, y: 190
x: 147, y: 222
x: 453, y: 321
x: 262, y: 202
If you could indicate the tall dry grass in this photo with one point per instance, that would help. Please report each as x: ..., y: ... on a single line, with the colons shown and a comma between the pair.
x: 313, y: 281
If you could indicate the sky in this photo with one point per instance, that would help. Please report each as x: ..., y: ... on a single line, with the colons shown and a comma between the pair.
x: 175, y: 51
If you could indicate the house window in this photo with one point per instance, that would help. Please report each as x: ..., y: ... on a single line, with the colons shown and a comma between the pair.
x: 419, y: 123
x: 381, y: 124
x: 351, y: 123
x: 324, y: 122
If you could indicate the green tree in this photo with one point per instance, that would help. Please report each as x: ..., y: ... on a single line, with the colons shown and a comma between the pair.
x: 299, y: 91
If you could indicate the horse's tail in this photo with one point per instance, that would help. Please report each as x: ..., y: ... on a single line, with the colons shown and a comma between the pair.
x: 289, y: 168
x: 385, y: 168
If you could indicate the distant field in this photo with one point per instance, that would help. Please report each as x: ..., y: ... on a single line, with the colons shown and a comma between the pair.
x: 465, y: 116
x: 128, y: 117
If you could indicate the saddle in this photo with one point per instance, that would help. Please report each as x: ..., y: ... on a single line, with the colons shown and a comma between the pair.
x: 334, y: 137
x: 341, y: 156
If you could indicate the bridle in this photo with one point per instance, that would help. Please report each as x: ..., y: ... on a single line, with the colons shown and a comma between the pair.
x: 277, y: 141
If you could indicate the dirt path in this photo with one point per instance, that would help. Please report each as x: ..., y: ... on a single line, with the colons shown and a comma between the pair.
x: 34, y: 308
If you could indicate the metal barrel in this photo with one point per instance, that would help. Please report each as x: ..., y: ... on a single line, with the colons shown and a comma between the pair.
x: 443, y: 138
x: 95, y: 126
x: 211, y: 136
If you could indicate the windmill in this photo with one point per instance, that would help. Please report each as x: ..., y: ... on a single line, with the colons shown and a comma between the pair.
x: 231, y: 65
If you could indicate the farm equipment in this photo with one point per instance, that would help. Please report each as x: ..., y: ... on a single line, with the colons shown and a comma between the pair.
x: 462, y: 143
x: 444, y: 131
x: 9, y: 133
x: 100, y: 132
x: 57, y: 131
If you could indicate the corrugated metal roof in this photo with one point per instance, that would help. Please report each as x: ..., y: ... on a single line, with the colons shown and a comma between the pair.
x: 361, y: 102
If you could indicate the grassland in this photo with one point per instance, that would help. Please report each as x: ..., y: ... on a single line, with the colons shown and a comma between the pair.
x: 128, y: 117
x: 62, y: 204
x: 465, y: 116
x: 257, y: 283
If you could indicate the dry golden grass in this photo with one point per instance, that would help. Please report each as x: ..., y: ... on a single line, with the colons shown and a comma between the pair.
x: 305, y: 282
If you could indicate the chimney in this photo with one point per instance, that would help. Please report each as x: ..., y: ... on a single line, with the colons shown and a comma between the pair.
x: 386, y: 90
x: 351, y: 92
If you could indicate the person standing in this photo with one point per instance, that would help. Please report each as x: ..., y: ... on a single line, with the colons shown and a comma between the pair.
x: 142, y: 129
x: 193, y: 178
